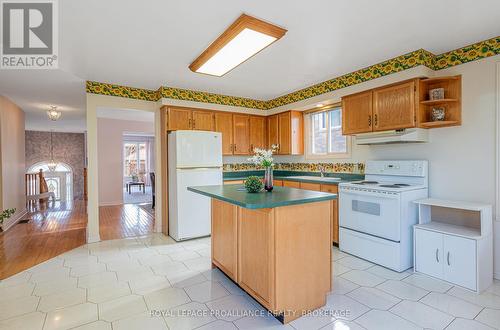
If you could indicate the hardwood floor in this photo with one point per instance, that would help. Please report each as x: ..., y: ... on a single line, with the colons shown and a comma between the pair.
x: 128, y: 220
x: 62, y: 228
x: 48, y: 234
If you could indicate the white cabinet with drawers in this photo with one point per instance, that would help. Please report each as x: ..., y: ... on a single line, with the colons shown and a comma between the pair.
x: 453, y: 242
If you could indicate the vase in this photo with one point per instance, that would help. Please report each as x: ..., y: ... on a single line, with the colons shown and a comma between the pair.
x: 268, y: 179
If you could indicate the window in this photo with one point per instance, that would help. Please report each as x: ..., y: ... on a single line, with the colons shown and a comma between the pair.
x: 134, y: 159
x: 325, y: 135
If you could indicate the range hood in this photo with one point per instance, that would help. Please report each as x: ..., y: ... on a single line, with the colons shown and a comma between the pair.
x: 408, y: 135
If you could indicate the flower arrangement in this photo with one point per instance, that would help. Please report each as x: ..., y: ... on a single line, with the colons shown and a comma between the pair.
x: 5, y: 215
x: 263, y: 157
x: 253, y: 184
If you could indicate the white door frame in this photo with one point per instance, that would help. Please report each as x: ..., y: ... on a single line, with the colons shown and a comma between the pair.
x: 94, y: 102
x: 496, y: 222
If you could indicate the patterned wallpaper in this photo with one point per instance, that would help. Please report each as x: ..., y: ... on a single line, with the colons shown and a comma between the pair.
x: 69, y: 148
x: 477, y: 51
x: 353, y: 168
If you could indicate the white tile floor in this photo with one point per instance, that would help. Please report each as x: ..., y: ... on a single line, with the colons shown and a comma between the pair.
x: 117, y: 284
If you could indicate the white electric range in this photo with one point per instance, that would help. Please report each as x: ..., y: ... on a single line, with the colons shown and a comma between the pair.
x: 376, y: 215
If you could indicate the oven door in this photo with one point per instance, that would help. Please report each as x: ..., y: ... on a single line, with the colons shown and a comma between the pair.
x: 372, y: 212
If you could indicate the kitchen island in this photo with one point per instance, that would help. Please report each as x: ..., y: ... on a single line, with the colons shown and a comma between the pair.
x: 276, y: 246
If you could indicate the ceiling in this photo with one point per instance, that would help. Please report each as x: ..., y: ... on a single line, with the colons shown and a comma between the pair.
x: 152, y: 44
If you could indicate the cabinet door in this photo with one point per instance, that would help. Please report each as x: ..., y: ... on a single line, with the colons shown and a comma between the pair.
x: 179, y: 119
x: 272, y: 131
x: 241, y: 131
x: 429, y: 252
x: 203, y: 120
x: 285, y: 133
x: 310, y: 186
x: 257, y: 132
x: 255, y: 253
x: 394, y: 107
x: 291, y: 184
x: 224, y: 237
x: 224, y: 124
x: 460, y: 261
x: 333, y: 189
x: 357, y: 113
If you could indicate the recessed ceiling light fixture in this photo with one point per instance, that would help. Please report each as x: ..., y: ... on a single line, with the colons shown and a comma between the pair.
x: 320, y: 105
x: 243, y: 39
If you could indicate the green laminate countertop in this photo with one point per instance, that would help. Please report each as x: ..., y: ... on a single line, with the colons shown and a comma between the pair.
x: 280, y: 196
x: 292, y: 176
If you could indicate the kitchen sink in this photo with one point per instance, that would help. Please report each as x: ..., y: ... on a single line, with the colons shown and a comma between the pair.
x: 316, y: 178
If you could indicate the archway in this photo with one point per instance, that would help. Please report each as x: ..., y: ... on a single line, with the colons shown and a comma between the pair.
x: 59, y: 181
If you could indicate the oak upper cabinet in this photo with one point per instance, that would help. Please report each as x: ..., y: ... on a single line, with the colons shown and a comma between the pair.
x: 224, y: 125
x: 178, y: 118
x: 286, y: 131
x: 272, y: 131
x: 394, y: 107
x: 257, y: 132
x: 203, y: 120
x: 357, y: 113
x: 241, y: 134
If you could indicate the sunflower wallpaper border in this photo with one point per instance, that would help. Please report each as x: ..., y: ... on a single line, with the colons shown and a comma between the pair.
x: 473, y: 52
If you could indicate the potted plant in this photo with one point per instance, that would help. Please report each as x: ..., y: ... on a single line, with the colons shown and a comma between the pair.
x: 253, y: 184
x: 5, y: 215
x: 265, y: 159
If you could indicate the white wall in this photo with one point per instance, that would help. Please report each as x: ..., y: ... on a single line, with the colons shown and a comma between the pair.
x: 12, y: 160
x: 110, y: 154
x: 462, y: 159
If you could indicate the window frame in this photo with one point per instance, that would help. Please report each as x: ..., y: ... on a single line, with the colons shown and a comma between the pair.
x: 308, y: 134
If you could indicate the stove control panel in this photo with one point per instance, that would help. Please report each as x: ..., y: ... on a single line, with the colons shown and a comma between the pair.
x: 397, y: 167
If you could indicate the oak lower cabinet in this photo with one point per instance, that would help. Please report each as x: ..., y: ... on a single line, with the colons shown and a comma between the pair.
x: 281, y: 256
x: 334, y: 211
x: 224, y: 229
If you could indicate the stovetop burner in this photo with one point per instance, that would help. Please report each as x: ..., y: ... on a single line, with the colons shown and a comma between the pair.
x: 391, y: 186
x: 366, y: 182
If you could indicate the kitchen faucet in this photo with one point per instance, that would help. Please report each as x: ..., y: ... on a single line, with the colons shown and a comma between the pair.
x: 321, y: 169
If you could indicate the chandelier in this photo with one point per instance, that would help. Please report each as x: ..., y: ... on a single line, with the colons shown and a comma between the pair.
x: 53, y: 113
x: 52, y: 164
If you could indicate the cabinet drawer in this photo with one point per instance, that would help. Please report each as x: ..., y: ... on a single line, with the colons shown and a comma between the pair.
x: 291, y: 184
x: 330, y: 188
x: 310, y: 186
x: 234, y: 182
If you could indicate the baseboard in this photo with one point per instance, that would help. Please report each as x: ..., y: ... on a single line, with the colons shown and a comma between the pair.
x: 111, y: 203
x: 13, y: 220
x: 92, y: 238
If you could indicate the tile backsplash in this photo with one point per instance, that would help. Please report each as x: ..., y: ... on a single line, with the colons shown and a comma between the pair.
x: 355, y: 168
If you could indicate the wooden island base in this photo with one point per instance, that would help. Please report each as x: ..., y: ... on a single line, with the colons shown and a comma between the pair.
x: 280, y: 256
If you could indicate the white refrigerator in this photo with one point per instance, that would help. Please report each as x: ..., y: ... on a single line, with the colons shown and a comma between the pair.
x: 194, y: 159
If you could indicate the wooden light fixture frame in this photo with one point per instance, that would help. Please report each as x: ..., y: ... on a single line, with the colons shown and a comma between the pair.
x: 243, y: 22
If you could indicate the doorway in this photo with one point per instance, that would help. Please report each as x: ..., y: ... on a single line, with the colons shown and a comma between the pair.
x: 138, y: 168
